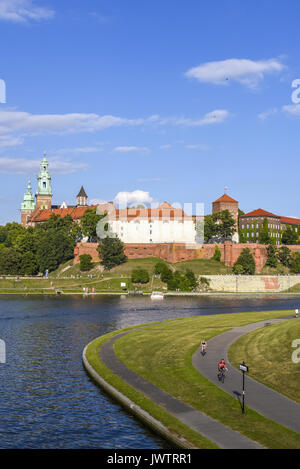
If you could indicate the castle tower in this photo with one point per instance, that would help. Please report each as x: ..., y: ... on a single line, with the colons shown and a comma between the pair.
x: 228, y: 203
x: 27, y: 206
x: 44, y: 190
x: 82, y: 198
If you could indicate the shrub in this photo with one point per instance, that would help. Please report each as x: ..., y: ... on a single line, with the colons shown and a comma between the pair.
x: 295, y: 263
x: 217, y: 254
x: 85, y: 262
x: 140, y: 276
x: 272, y: 256
x: 246, y: 261
x: 111, y: 252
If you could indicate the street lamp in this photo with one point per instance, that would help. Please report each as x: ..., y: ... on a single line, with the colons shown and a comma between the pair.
x: 245, y: 369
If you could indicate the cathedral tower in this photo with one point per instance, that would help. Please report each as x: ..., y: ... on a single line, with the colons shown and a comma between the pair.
x: 82, y: 198
x: 44, y: 189
x: 28, y: 205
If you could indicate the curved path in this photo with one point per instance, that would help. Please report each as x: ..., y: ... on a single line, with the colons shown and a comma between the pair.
x: 264, y: 400
x: 214, y: 431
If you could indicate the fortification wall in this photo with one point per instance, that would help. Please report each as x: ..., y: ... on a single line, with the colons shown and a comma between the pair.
x: 176, y: 252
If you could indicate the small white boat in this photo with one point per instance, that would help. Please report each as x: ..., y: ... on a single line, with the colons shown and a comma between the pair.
x: 157, y: 295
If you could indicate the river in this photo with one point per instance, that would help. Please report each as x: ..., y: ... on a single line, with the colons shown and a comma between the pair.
x: 46, y: 398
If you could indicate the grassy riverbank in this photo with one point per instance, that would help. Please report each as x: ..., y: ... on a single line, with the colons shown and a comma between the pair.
x: 268, y: 353
x: 162, y: 353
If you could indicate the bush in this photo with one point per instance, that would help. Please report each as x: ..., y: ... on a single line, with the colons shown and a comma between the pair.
x: 272, y: 256
x: 111, y: 252
x: 140, y: 276
x: 295, y: 263
x: 217, y: 254
x: 85, y: 262
x: 159, y: 267
x: 246, y: 261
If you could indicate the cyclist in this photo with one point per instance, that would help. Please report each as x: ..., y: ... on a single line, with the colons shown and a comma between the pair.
x: 203, y: 346
x: 222, y: 367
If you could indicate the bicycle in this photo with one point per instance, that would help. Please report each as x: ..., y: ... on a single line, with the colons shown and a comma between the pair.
x: 221, y: 374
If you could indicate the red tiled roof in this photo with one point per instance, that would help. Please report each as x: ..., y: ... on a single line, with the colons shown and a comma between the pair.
x: 164, y: 211
x: 290, y: 220
x: 259, y: 213
x: 42, y: 215
x: 225, y: 198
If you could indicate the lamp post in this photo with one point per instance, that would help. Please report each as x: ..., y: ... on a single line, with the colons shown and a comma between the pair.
x: 245, y: 369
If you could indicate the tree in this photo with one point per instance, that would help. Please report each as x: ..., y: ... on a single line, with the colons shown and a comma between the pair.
x: 217, y: 254
x: 264, y: 236
x: 245, y: 263
x: 28, y: 265
x: 54, y: 248
x: 89, y: 223
x: 284, y: 256
x: 193, y: 283
x: 226, y: 224
x: 210, y: 228
x: 10, y: 261
x: 289, y: 237
x: 12, y: 231
x: 140, y: 276
x: 295, y: 263
x: 85, y: 262
x: 159, y: 267
x: 166, y: 274
x: 220, y: 224
x: 111, y: 252
x: 272, y: 256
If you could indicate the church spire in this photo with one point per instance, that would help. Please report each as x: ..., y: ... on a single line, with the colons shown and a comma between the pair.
x: 28, y: 205
x: 44, y: 189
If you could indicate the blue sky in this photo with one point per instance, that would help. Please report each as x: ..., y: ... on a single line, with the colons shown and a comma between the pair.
x: 163, y: 100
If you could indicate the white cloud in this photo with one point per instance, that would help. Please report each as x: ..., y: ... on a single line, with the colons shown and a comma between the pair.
x: 215, y: 117
x: 198, y: 146
x: 247, y: 72
x: 8, y: 141
x: 165, y: 147
x: 265, y: 115
x: 59, y: 123
x: 63, y: 151
x: 20, y: 11
x: 149, y: 179
x: 129, y: 149
x: 125, y: 199
x: 292, y: 110
x: 24, y: 123
x: 27, y: 166
x: 97, y: 201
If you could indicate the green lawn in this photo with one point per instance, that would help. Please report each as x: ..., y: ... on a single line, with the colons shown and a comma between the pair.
x: 162, y: 353
x: 295, y: 289
x: 204, y: 267
x: 268, y: 353
x: 173, y: 424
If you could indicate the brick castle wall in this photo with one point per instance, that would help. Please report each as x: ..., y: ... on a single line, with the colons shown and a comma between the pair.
x: 177, y: 252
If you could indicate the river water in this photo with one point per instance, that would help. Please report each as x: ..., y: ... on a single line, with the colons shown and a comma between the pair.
x: 46, y: 398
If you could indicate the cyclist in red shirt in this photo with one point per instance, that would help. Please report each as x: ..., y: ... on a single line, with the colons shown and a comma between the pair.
x: 222, y: 366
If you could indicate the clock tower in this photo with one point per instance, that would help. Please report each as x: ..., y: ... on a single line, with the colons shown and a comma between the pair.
x: 44, y: 190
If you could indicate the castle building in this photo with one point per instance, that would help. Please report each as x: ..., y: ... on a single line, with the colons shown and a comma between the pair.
x: 164, y: 224
x: 27, y: 206
x: 40, y: 209
x: 44, y: 190
x: 252, y: 222
x: 228, y: 203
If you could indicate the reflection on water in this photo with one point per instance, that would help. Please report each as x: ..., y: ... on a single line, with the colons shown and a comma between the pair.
x: 46, y: 398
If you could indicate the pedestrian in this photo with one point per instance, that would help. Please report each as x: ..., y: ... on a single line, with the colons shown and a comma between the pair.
x: 297, y: 312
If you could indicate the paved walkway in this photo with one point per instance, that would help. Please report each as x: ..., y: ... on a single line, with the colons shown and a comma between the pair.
x: 214, y: 431
x: 264, y: 400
